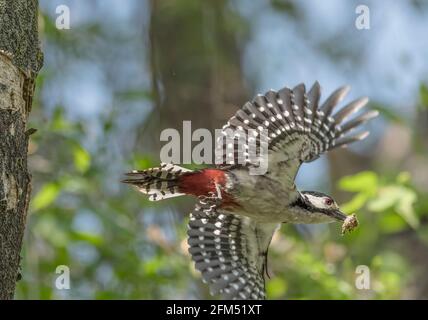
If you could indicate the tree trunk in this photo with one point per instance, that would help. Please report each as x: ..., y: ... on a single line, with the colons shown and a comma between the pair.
x: 195, y: 54
x: 196, y: 64
x: 20, y: 60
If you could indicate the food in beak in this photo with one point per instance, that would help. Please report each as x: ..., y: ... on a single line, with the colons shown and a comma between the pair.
x: 349, y: 224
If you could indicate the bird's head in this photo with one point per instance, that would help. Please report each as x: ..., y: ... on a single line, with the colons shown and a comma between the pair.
x: 321, y: 205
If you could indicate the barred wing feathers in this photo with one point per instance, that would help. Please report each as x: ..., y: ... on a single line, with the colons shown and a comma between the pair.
x: 294, y: 110
x: 229, y: 250
x: 298, y: 128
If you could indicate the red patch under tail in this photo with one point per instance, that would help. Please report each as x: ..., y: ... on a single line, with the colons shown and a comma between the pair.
x: 203, y: 183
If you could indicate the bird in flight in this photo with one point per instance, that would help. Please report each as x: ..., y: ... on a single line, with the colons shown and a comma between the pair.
x: 237, y: 213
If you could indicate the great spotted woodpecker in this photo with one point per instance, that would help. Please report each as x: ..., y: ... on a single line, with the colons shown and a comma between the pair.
x: 237, y: 213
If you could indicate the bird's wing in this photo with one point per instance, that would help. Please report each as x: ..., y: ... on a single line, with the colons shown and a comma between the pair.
x: 229, y: 250
x: 296, y: 129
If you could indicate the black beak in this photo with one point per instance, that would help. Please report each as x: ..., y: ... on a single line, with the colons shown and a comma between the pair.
x: 338, y: 215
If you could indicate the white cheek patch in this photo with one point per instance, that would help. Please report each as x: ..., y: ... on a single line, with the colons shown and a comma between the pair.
x: 318, y: 202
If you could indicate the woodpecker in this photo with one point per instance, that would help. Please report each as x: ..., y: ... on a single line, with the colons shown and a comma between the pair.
x: 237, y: 213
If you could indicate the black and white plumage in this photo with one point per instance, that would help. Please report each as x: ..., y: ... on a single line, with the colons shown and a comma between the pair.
x: 238, y: 212
x: 159, y: 183
x: 227, y: 251
x: 299, y: 130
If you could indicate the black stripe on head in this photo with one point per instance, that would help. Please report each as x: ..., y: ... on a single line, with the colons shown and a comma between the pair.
x: 315, y: 193
x: 303, y: 203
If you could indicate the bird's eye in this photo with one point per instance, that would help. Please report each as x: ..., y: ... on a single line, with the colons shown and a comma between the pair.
x: 328, y: 201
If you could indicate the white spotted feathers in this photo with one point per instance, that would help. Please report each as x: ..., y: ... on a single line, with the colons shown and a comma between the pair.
x: 229, y: 250
x: 291, y: 127
x: 290, y: 114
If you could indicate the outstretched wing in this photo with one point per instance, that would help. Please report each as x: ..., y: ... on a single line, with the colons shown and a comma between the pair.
x: 229, y: 250
x: 295, y: 127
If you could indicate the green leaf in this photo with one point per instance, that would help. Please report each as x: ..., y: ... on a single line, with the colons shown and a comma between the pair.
x: 82, y: 158
x: 276, y: 288
x: 366, y: 182
x: 153, y: 266
x: 405, y: 207
x: 355, y: 204
x: 59, y: 123
x: 91, y: 238
x: 386, y: 199
x: 403, y: 177
x: 75, y: 184
x: 398, y: 197
x: 392, y: 222
x: 47, y: 194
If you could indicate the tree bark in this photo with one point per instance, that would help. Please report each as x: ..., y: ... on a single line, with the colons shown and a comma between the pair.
x: 20, y: 61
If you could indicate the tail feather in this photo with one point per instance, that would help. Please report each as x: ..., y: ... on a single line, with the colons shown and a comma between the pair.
x: 159, y: 183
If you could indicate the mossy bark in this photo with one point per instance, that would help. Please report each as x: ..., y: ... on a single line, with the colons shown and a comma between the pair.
x: 20, y: 61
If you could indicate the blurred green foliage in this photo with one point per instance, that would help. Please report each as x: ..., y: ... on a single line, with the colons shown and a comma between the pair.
x: 118, y: 245
x: 114, y: 253
x: 326, y: 268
